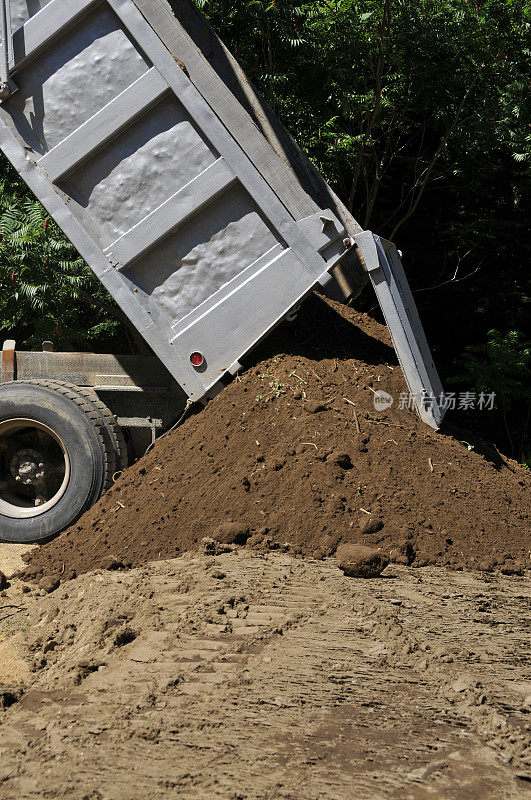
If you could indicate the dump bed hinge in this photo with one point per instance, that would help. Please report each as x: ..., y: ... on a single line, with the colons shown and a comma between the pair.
x: 387, y: 275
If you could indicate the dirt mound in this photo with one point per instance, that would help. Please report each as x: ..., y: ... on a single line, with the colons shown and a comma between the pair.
x: 293, y: 454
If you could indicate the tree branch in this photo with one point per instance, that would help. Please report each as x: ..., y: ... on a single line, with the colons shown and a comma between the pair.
x: 429, y: 169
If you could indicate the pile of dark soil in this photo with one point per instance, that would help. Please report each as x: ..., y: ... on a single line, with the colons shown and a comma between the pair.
x: 294, y: 454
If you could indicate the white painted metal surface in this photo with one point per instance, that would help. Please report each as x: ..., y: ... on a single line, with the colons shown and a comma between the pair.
x: 396, y: 301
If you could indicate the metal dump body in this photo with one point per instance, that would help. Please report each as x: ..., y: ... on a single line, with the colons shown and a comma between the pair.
x: 140, y: 134
x: 206, y: 240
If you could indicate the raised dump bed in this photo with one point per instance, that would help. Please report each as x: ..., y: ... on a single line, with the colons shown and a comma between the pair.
x: 159, y: 197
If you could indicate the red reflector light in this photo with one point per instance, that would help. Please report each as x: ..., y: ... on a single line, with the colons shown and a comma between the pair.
x: 197, y: 360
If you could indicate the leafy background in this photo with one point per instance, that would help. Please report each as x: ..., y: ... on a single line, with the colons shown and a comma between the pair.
x: 417, y: 112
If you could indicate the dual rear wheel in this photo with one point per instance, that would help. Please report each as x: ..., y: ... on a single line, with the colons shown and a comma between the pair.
x: 60, y: 447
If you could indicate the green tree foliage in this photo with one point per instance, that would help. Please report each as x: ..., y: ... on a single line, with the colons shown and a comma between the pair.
x: 376, y: 89
x: 503, y: 366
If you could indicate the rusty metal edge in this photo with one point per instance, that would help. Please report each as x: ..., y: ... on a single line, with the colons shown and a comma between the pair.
x: 9, y: 361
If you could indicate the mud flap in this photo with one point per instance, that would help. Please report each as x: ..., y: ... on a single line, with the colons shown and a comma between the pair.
x: 396, y: 300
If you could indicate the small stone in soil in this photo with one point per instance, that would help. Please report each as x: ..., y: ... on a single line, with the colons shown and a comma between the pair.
x: 49, y: 584
x: 110, y: 562
x: 231, y: 533
x: 358, y: 561
x: 512, y: 569
x: 213, y: 548
x: 371, y: 525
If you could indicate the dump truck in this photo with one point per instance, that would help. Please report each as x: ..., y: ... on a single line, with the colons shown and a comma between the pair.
x: 142, y: 137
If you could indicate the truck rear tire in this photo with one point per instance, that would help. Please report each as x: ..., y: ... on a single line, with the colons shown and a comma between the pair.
x: 115, y: 432
x: 57, y: 456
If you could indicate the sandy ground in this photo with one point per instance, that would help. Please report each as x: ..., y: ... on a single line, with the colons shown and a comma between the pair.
x: 11, y: 661
x: 11, y: 557
x: 247, y: 677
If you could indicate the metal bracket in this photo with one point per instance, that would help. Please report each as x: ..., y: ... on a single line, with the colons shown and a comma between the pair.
x: 388, y: 278
x: 322, y: 228
x: 9, y: 362
x: 113, y: 261
x: 326, y: 221
x: 9, y: 89
x: 234, y: 368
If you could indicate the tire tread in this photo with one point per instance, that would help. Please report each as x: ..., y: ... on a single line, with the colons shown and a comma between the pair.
x: 120, y: 447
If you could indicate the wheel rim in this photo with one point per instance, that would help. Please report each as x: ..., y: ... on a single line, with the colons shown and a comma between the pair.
x: 34, y: 468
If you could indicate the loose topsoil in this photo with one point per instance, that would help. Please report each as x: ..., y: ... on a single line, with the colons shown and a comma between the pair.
x: 294, y: 455
x: 231, y: 677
